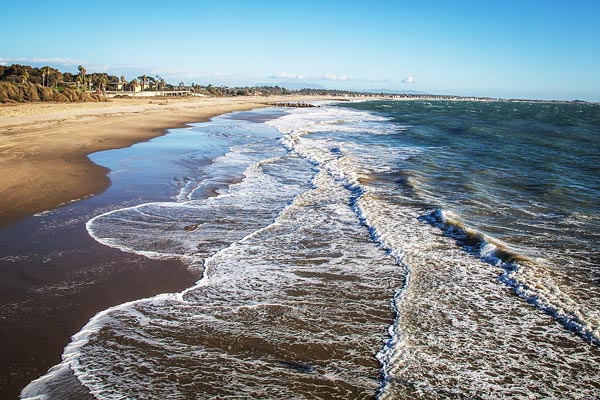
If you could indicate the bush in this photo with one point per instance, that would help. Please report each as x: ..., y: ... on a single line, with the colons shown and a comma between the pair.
x: 31, y: 92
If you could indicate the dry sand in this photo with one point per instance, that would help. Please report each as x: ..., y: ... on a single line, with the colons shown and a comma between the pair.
x: 44, y: 146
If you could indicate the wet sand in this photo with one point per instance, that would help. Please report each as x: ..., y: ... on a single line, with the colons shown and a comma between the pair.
x: 44, y: 146
x: 61, y: 278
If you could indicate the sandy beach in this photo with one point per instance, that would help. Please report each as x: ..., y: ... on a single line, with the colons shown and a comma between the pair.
x: 44, y: 146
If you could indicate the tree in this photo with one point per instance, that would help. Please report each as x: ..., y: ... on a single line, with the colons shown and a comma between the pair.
x: 103, y: 81
x: 152, y: 83
x: 97, y: 80
x: 53, y: 76
x: 69, y: 77
x: 134, y: 84
x: 142, y: 81
x: 123, y: 82
x: 81, y: 78
x: 44, y: 75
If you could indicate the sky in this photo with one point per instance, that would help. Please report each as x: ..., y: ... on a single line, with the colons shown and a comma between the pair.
x: 512, y: 49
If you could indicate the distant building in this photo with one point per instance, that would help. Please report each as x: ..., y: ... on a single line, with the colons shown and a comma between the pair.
x: 134, y: 87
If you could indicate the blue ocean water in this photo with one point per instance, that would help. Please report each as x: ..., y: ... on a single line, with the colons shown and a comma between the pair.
x: 390, y: 249
x: 527, y: 173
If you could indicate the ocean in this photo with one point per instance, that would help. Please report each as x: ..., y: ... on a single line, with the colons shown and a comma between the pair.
x: 378, y: 249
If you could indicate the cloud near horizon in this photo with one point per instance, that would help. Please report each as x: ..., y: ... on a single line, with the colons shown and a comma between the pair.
x: 287, y: 75
x: 326, y: 77
x: 67, y: 62
x: 183, y: 74
x: 186, y: 74
x: 408, y: 80
x: 333, y: 77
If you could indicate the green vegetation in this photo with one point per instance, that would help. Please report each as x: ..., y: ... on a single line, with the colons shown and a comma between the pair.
x: 224, y: 91
x: 23, y: 83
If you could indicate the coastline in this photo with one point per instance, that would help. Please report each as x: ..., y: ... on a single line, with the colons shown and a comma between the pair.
x: 53, y: 276
x: 44, y: 146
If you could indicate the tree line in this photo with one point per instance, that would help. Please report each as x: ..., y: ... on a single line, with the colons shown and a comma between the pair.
x: 53, y: 78
x: 26, y: 80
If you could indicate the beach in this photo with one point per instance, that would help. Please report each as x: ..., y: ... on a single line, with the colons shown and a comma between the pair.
x: 53, y: 276
x: 353, y: 250
x: 44, y: 146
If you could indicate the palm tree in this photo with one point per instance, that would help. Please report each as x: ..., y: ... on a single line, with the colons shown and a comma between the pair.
x: 123, y: 82
x: 134, y: 84
x: 151, y: 83
x: 81, y: 78
x: 44, y: 74
x: 103, y: 82
x: 142, y: 81
x: 48, y: 75
x: 25, y: 76
x: 99, y: 81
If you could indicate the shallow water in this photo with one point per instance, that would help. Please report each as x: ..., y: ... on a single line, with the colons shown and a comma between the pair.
x: 389, y: 249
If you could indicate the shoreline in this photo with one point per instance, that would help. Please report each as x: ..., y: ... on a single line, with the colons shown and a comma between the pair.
x: 44, y: 147
x: 54, y: 276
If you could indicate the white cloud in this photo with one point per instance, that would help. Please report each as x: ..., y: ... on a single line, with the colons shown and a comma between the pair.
x: 376, y: 80
x: 111, y: 67
x: 346, y: 78
x: 333, y: 77
x: 68, y: 63
x: 190, y: 75
x: 37, y: 60
x: 327, y: 77
x: 214, y: 77
x: 181, y: 73
x: 287, y: 75
x: 408, y: 80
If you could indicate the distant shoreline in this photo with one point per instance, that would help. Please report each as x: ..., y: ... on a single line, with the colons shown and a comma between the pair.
x: 442, y: 97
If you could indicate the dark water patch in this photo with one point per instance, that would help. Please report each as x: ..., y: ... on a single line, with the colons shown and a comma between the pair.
x: 298, y: 366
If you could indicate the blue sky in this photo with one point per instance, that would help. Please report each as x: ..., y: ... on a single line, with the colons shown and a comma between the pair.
x: 526, y: 48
